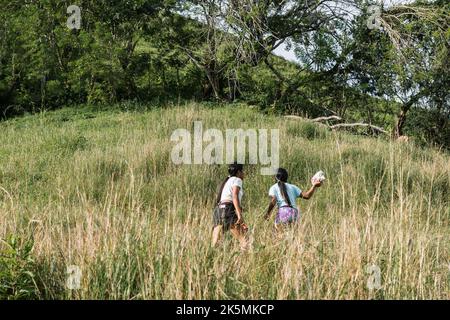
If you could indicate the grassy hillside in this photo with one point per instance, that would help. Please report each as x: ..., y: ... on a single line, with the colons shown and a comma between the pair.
x: 97, y: 189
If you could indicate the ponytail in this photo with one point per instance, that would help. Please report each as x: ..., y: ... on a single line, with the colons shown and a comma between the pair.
x: 219, y: 194
x: 282, y: 187
x: 282, y: 177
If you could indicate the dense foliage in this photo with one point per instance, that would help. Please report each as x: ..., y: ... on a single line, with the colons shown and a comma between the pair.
x: 395, y: 76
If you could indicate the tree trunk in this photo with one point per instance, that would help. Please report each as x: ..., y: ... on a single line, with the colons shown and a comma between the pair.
x: 213, y: 85
x: 398, y: 130
x: 400, y: 123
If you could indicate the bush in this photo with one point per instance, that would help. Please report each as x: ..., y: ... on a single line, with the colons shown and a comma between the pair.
x: 17, y: 278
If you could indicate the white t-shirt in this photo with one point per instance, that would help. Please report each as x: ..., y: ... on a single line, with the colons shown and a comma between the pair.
x: 227, y: 192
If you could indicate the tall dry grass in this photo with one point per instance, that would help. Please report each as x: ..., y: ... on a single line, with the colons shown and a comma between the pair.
x: 98, y: 190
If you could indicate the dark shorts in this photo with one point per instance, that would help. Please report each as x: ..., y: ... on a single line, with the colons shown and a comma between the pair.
x: 225, y: 215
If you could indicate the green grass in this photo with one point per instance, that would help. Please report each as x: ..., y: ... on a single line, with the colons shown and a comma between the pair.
x: 96, y: 188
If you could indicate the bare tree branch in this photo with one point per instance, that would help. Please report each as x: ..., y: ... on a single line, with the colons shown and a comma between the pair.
x: 358, y: 124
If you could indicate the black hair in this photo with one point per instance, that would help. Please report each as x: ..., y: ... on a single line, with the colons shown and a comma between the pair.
x: 233, y: 170
x: 282, y: 177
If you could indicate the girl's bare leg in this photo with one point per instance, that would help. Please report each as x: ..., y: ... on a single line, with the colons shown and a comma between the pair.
x: 216, y: 234
x: 239, y: 235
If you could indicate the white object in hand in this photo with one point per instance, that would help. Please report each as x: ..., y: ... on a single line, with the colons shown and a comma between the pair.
x: 319, y: 176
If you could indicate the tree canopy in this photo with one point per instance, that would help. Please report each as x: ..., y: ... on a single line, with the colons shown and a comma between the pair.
x: 386, y: 66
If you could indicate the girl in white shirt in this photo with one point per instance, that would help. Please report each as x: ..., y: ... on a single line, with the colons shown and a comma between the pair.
x: 228, y: 212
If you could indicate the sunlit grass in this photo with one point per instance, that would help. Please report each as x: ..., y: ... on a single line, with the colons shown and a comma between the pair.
x: 97, y: 189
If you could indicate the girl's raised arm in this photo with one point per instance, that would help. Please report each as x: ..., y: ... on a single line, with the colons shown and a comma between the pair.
x: 308, y: 194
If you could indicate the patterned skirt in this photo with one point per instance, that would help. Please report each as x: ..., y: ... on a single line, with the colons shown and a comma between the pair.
x: 286, y: 215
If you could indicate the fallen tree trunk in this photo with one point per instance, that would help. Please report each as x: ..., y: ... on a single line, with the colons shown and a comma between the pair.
x: 338, y: 126
x: 352, y: 125
x: 320, y: 119
x: 296, y: 118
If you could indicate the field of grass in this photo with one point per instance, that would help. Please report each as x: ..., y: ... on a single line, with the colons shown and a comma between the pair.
x: 97, y: 190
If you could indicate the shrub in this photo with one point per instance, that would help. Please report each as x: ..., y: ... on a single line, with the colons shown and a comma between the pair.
x: 17, y: 278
